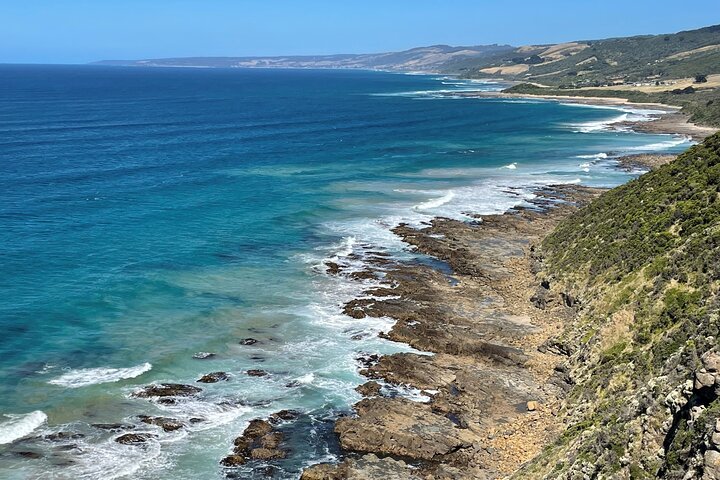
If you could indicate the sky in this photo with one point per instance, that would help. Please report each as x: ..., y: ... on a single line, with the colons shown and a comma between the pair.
x: 80, y: 31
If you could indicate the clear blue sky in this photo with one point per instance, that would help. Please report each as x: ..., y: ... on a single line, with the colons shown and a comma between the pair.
x: 78, y: 31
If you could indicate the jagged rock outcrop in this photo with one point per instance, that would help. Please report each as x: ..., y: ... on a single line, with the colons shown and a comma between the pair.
x: 395, y: 426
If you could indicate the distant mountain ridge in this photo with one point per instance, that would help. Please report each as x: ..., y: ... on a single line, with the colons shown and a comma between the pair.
x: 579, y: 63
x: 433, y: 58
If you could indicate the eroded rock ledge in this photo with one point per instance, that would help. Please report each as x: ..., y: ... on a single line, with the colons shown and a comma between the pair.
x: 493, y: 382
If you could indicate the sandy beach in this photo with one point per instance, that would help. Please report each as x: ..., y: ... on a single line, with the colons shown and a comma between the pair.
x: 671, y: 122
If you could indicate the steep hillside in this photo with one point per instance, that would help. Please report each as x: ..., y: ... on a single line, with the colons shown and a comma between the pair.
x: 642, y: 266
x: 647, y: 58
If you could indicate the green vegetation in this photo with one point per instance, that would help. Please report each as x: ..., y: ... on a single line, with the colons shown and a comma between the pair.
x: 644, y: 260
x: 702, y: 105
x: 651, y: 60
x: 628, y: 59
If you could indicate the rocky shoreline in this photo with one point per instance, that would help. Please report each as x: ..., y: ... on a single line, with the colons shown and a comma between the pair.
x: 492, y: 384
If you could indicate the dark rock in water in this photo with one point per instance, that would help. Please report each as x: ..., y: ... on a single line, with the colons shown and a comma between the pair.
x: 369, y: 389
x: 332, y: 268
x: 203, y: 355
x: 214, y: 377
x: 248, y: 341
x: 257, y: 428
x: 360, y: 336
x: 259, y: 442
x: 257, y: 373
x: 284, y: 415
x: 134, y: 438
x: 355, y: 308
x: 233, y: 461
x: 363, y: 275
x: 197, y: 420
x: 28, y: 454
x: 61, y: 436
x: 113, y: 427
x: 267, y: 454
x: 167, y: 424
x: 293, y: 384
x: 367, y: 360
x: 257, y: 358
x: 167, y: 390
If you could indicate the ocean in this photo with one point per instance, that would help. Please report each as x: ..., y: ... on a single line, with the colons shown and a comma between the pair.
x: 148, y: 215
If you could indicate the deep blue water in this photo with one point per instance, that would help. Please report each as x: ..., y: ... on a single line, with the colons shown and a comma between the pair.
x: 149, y: 214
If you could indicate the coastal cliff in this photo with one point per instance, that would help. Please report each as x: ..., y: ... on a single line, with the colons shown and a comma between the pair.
x: 573, y: 339
x: 643, y: 261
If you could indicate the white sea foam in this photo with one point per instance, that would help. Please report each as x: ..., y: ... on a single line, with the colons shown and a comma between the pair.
x: 91, y: 376
x: 436, y: 202
x: 596, y: 156
x: 213, y: 414
x: 628, y: 114
x: 511, y: 166
x: 589, y: 127
x: 585, y: 167
x: 111, y: 460
x: 15, y: 427
x: 306, y: 379
x: 658, y: 146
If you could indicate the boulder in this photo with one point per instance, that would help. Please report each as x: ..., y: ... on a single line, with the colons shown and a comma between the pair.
x: 257, y: 373
x: 134, y: 438
x: 113, y: 427
x: 214, y: 377
x: 369, y: 389
x: 233, y: 461
x: 258, y: 442
x: 167, y: 390
x: 248, y: 341
x: 333, y: 268
x: 711, y: 361
x: 711, y: 470
x: 167, y: 424
x: 284, y: 415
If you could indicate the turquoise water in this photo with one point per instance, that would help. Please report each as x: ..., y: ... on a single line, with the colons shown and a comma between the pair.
x: 147, y: 215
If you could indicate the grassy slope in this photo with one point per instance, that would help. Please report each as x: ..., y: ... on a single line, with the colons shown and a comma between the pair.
x: 703, y: 106
x: 629, y: 58
x: 644, y: 58
x: 644, y: 259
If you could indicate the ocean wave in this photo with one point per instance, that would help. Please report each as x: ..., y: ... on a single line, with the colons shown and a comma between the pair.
x: 91, y: 376
x: 436, y: 202
x: 597, y: 125
x: 19, y: 426
x: 596, y: 156
x: 511, y: 166
x: 658, y: 146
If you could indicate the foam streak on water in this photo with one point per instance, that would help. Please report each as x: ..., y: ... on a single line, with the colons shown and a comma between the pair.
x: 92, y: 376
